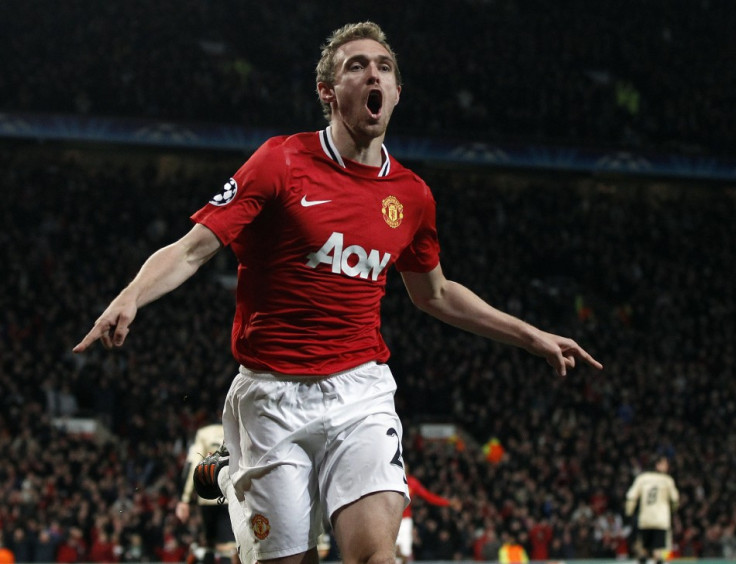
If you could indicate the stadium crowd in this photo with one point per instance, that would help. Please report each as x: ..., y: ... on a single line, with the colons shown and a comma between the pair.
x: 656, y: 76
x: 637, y: 272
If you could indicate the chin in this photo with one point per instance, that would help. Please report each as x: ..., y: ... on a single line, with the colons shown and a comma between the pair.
x: 380, y: 125
x: 377, y: 130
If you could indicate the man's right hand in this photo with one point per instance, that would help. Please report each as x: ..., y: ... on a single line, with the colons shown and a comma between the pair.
x: 113, y: 326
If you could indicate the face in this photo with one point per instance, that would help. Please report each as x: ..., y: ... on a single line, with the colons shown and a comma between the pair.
x: 365, y: 92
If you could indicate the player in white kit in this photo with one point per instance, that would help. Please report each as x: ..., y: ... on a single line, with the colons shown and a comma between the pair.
x: 316, y: 220
x: 656, y: 496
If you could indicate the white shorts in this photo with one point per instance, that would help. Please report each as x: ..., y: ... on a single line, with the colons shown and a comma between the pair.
x: 303, y: 447
x: 405, y: 540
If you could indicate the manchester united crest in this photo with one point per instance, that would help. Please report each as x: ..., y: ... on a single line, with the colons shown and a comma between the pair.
x: 260, y: 526
x: 393, y: 211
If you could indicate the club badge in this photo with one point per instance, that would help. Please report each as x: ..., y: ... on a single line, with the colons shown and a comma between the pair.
x: 260, y: 526
x: 393, y: 211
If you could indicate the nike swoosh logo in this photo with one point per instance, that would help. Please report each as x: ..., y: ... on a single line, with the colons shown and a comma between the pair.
x: 306, y: 203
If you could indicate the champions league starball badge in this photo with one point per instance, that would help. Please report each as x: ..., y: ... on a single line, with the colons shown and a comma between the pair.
x: 226, y: 195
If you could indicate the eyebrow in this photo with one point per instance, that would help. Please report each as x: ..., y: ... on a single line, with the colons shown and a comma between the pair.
x: 364, y: 57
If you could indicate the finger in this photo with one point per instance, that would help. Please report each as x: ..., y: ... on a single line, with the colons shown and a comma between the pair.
x: 95, y: 333
x: 121, y: 331
x: 558, y: 363
x: 577, y: 351
x: 106, y: 338
x: 590, y: 360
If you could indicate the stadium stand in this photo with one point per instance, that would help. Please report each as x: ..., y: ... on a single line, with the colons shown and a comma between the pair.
x: 635, y: 270
x: 621, y: 74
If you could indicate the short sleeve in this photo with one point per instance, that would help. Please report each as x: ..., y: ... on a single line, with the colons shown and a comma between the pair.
x: 244, y: 195
x: 423, y: 253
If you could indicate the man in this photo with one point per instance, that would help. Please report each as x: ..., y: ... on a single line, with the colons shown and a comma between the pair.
x: 405, y: 538
x: 7, y: 556
x: 315, y: 220
x: 219, y: 540
x: 487, y: 545
x: 656, y: 495
x: 512, y: 551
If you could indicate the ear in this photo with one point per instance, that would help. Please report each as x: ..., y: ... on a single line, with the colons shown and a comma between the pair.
x: 398, y: 94
x: 326, y: 92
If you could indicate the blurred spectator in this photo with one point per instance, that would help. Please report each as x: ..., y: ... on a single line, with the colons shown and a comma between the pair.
x: 540, y: 537
x: 73, y: 547
x: 134, y: 550
x: 512, y: 552
x: 728, y: 541
x: 172, y: 550
x: 21, y: 545
x: 44, y: 547
x: 486, y: 545
x: 583, y: 543
x: 690, y: 544
x: 713, y: 542
x: 103, y: 548
x: 610, y: 535
x: 6, y: 555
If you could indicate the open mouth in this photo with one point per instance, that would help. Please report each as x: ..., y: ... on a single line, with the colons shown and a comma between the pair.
x: 374, y: 103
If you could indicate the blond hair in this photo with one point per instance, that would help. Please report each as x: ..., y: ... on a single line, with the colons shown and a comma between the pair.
x: 350, y: 32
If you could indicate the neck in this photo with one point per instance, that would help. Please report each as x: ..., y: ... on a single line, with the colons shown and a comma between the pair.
x: 359, y: 148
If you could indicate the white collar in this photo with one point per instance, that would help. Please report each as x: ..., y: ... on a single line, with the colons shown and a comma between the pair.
x: 328, y: 146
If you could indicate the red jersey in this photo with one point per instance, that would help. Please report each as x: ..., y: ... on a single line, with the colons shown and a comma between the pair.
x: 417, y: 489
x: 314, y: 236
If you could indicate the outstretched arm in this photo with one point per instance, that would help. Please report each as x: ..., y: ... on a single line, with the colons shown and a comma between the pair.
x: 416, y: 488
x: 163, y: 271
x: 456, y: 305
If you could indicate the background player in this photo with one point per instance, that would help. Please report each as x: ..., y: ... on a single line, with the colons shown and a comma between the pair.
x: 219, y: 540
x: 655, y: 494
x: 405, y: 538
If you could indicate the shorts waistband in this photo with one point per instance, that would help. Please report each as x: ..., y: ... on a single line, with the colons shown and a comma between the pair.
x: 277, y: 376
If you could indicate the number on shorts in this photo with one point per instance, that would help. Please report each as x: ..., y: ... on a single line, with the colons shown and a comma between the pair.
x: 396, y: 460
